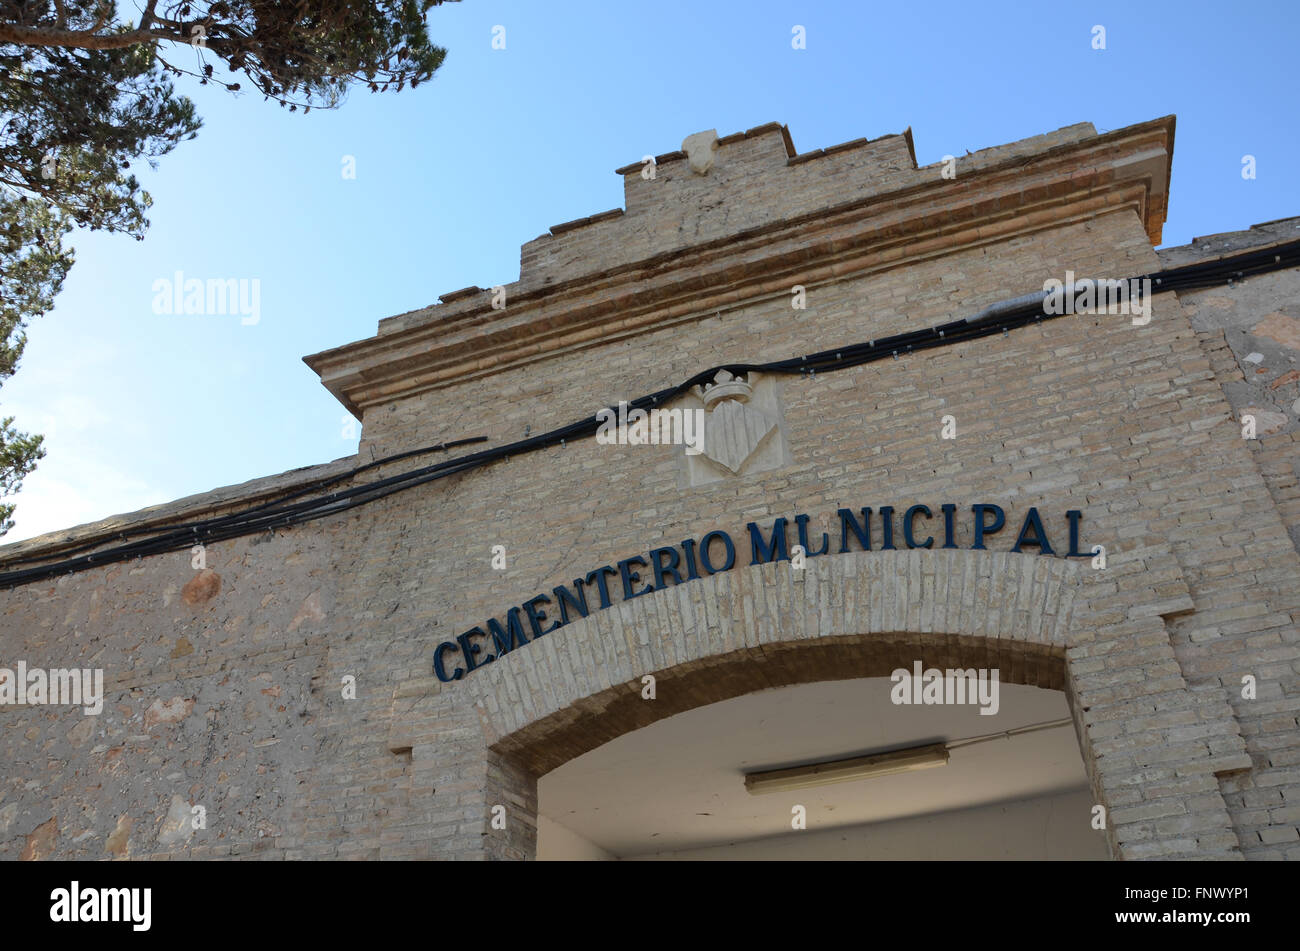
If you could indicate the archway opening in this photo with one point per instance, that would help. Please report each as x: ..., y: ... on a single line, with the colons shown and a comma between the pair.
x: 1012, y: 784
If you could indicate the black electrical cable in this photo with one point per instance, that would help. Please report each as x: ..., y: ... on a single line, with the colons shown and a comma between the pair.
x: 284, y: 512
x: 313, y: 486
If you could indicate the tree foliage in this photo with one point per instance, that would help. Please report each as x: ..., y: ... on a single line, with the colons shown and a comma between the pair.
x: 33, y: 264
x: 300, y: 52
x: 85, y: 93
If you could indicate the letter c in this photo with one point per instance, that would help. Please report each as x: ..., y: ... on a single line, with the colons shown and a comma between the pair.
x: 437, y: 663
x: 908, y: 519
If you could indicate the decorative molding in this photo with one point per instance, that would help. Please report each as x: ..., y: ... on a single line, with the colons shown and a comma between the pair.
x: 1125, y: 169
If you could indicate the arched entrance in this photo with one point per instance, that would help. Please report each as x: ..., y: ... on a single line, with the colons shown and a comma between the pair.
x: 1009, y: 783
x: 1097, y: 635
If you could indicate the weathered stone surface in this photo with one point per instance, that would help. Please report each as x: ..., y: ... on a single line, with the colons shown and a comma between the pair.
x: 700, y: 149
x: 203, y: 587
x: 167, y: 711
x: 1281, y: 329
x: 41, y: 843
x: 82, y: 733
x: 309, y: 611
x: 119, y: 841
x: 176, y: 825
x: 1267, y: 421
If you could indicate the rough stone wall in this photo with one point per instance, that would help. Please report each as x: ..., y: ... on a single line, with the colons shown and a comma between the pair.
x: 1128, y: 424
x: 1251, y: 332
x: 210, y: 700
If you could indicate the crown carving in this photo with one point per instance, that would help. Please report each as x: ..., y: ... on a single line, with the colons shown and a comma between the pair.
x: 725, y: 386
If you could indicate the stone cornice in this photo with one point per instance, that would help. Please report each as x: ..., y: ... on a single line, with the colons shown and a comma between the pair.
x: 927, y: 216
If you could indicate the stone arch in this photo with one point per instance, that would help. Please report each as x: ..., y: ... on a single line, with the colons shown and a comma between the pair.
x: 1097, y: 635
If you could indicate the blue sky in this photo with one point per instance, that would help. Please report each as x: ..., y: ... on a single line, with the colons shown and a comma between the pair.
x: 451, y: 178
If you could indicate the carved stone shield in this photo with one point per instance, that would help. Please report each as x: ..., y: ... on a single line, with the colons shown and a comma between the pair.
x: 732, y: 432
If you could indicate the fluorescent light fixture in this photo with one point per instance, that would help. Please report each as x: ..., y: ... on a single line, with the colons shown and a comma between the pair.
x: 845, y: 770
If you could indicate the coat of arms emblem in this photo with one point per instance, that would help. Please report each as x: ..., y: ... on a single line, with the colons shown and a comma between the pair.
x: 733, y: 430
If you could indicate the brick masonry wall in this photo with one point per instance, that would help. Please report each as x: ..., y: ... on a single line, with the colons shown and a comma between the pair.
x: 232, y: 698
x: 1251, y: 332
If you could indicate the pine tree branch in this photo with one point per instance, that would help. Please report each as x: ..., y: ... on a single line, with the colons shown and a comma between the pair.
x: 81, y: 39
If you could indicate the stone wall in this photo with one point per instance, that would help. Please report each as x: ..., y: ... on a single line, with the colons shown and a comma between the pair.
x: 1251, y: 332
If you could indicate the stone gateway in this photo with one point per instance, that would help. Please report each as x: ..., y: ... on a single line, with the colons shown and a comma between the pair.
x: 932, y: 502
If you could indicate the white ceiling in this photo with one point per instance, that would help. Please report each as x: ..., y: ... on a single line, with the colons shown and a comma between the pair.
x: 679, y: 783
